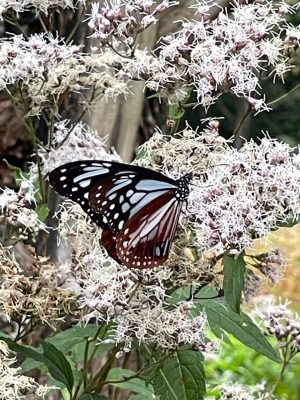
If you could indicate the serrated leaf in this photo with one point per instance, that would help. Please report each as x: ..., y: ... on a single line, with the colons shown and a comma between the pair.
x: 240, y: 326
x: 233, y: 283
x: 42, y: 211
x: 181, y: 377
x: 136, y: 385
x: 58, y: 366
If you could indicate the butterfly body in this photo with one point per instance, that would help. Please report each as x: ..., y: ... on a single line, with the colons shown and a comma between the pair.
x: 137, y: 208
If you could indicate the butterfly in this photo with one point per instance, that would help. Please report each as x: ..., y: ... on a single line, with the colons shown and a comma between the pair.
x: 137, y: 208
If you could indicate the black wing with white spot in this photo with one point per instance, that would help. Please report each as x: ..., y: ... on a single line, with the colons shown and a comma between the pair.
x: 134, y: 205
x: 76, y: 179
x: 109, y: 192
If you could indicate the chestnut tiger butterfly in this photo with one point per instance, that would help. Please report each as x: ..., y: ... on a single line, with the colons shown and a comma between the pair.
x: 137, y: 208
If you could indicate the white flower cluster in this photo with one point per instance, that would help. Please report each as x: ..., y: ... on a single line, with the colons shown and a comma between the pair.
x: 139, y: 311
x: 125, y: 19
x: 248, y: 193
x: 236, y: 391
x: 167, y: 329
x: 238, y: 195
x: 72, y: 143
x: 75, y: 229
x: 279, y: 321
x: 42, y: 5
x: 216, y: 56
x: 43, y: 65
x: 210, y: 57
x: 46, y: 68
x: 12, y: 385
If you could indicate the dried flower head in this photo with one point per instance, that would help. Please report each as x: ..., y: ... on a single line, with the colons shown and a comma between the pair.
x: 38, y: 291
x: 18, y: 210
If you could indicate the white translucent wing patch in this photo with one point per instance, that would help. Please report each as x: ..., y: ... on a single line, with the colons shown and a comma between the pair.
x: 121, y: 197
x: 148, y: 185
x: 90, y: 173
x: 146, y: 239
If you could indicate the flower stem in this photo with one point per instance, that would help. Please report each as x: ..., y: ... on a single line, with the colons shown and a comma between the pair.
x: 279, y: 99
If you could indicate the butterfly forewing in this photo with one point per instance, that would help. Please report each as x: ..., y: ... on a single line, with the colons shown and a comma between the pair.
x: 146, y: 239
x: 76, y: 179
x: 137, y: 208
x: 119, y: 199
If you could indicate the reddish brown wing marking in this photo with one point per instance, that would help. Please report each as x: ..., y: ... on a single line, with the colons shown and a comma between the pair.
x: 99, y: 202
x: 108, y: 241
x: 145, y: 240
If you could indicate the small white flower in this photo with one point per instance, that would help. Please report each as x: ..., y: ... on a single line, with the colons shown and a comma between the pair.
x: 79, y: 142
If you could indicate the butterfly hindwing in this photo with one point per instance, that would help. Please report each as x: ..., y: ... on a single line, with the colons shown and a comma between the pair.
x: 146, y: 239
x: 137, y: 208
x: 118, y: 199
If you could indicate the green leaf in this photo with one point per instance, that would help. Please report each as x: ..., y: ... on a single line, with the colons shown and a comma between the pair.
x: 175, y: 112
x: 42, y: 211
x: 141, y: 153
x: 206, y: 292
x: 181, y: 377
x: 240, y: 326
x: 136, y: 385
x: 94, y: 396
x: 72, y: 341
x: 233, y: 283
x: 18, y: 173
x: 144, y: 397
x: 29, y: 364
x: 58, y: 366
x: 25, y: 351
x: 67, y: 339
x: 180, y: 294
